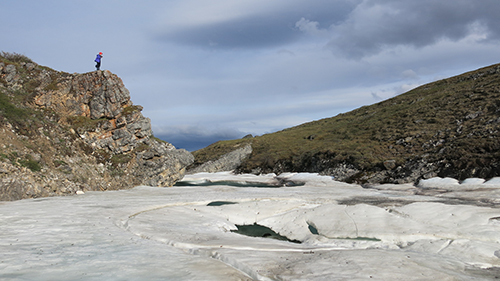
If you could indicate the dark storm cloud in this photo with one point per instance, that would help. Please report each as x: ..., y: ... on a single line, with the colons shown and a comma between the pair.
x: 260, y: 29
x: 248, y: 33
x: 378, y: 24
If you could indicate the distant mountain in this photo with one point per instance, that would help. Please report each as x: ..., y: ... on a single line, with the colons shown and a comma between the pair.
x: 448, y: 128
x: 65, y: 133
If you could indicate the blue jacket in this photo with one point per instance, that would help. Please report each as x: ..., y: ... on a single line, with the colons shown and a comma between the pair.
x: 98, y: 58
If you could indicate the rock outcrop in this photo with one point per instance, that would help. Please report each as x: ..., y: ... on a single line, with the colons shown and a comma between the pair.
x: 63, y: 133
x: 227, y: 162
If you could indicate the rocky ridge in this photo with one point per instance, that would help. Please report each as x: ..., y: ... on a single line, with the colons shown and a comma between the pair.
x: 66, y: 133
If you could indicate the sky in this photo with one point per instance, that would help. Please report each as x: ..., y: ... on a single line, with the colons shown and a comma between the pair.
x: 221, y: 69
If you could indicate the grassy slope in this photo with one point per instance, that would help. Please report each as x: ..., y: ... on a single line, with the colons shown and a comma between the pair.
x: 436, y: 117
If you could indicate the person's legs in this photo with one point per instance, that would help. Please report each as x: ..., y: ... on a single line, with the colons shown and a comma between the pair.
x: 98, y: 65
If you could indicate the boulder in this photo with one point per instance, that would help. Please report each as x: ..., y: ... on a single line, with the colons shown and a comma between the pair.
x: 227, y: 162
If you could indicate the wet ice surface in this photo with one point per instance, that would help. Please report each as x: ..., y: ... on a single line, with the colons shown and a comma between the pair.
x: 439, y: 230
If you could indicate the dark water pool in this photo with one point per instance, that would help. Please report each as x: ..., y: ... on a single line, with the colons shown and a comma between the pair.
x: 220, y: 203
x: 256, y: 230
x: 227, y: 183
x: 240, y: 183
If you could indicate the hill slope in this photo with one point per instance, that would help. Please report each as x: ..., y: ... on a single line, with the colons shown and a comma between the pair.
x: 62, y: 133
x: 445, y: 128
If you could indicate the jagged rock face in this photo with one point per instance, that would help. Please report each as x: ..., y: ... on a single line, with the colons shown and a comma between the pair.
x: 164, y: 170
x: 87, y: 135
x: 100, y: 95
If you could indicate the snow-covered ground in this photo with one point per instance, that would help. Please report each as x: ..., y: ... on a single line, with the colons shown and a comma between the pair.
x: 438, y: 230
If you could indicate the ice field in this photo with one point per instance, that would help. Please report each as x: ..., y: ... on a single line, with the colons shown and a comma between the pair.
x: 245, y: 227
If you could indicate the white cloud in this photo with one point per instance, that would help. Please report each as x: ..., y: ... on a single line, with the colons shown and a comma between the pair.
x: 311, y: 28
x: 409, y: 73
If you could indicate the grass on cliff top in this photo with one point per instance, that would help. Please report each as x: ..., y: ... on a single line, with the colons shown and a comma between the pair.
x: 370, y: 135
x: 30, y: 84
x: 14, y: 58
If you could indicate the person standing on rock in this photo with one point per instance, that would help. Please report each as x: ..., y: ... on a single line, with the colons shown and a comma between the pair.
x: 98, y: 60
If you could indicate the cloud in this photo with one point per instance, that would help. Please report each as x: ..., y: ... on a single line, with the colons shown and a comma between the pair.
x: 375, y: 25
x: 246, y: 23
x: 248, y: 32
x: 409, y: 73
x: 311, y: 27
x: 376, y: 96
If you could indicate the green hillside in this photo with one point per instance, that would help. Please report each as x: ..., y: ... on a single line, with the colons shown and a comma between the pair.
x: 450, y: 126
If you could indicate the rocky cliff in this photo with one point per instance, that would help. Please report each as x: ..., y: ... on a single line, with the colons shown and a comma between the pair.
x: 448, y: 128
x: 65, y: 133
